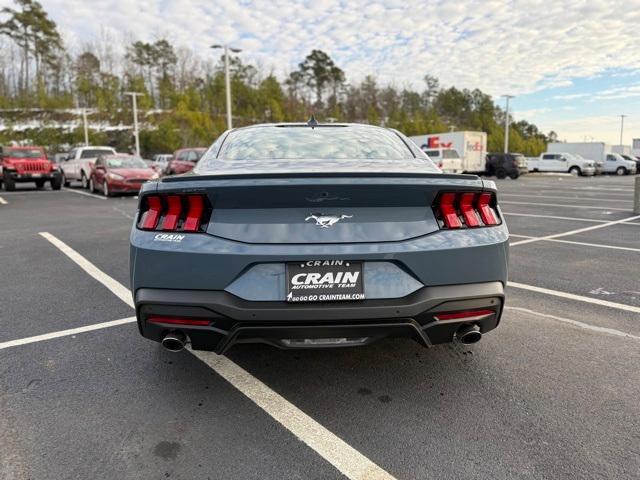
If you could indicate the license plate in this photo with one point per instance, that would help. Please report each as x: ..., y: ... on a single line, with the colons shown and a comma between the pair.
x: 324, y: 281
x: 35, y: 175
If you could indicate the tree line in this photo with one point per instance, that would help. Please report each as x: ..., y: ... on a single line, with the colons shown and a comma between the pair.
x: 183, y: 95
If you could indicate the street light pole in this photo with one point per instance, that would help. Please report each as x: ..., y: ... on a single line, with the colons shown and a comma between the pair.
x: 621, y: 127
x: 86, y: 127
x: 506, y: 125
x: 136, y: 135
x: 227, y: 79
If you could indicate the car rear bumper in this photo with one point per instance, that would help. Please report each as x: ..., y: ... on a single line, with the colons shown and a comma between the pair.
x: 231, y: 320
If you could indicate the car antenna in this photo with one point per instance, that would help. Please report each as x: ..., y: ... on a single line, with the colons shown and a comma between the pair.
x: 312, y: 122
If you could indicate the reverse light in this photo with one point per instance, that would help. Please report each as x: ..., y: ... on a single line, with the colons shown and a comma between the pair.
x: 456, y: 210
x: 174, y: 213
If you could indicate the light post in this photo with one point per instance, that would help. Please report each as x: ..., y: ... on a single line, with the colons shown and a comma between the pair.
x: 86, y: 127
x: 135, y: 119
x: 227, y: 80
x: 506, y: 125
x: 621, y: 126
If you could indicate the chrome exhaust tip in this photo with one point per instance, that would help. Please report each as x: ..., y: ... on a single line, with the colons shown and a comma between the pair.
x: 174, y: 341
x: 469, y: 334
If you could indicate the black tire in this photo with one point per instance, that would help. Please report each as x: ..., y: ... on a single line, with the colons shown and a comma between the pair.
x: 39, y: 183
x: 575, y: 171
x: 85, y: 181
x: 514, y: 175
x: 9, y: 184
x: 92, y: 185
x: 621, y: 171
x: 65, y: 182
x: 56, y: 183
x: 501, y: 173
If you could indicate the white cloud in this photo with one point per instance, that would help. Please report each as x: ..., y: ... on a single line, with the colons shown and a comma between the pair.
x: 498, y: 46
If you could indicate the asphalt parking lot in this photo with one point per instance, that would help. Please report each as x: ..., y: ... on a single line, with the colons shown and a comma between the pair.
x: 552, y: 393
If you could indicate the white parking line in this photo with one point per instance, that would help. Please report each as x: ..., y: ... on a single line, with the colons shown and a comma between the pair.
x: 586, y: 326
x: 66, y: 333
x: 80, y: 192
x: 573, y: 232
x: 571, y: 242
x: 592, y: 220
x: 116, y: 287
x: 336, y: 451
x: 571, y: 296
x: 592, y: 207
x: 333, y: 449
x: 3, y: 201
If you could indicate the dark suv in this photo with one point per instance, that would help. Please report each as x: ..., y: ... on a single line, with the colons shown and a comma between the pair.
x: 506, y: 164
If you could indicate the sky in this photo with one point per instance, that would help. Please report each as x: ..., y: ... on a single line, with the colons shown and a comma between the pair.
x: 573, y: 65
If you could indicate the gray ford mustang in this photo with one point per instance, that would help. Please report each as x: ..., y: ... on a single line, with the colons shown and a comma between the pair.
x: 317, y: 235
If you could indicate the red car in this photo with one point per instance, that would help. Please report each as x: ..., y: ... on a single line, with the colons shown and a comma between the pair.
x: 184, y: 160
x: 119, y: 174
x: 27, y: 164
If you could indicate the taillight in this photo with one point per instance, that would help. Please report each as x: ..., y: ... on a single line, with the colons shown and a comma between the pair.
x: 468, y: 211
x: 448, y: 211
x: 174, y: 213
x: 471, y: 209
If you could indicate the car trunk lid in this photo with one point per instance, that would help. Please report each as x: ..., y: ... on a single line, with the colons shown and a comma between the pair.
x: 306, y: 209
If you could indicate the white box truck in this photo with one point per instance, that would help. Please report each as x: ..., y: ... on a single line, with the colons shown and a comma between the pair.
x: 471, y: 146
x: 599, y: 152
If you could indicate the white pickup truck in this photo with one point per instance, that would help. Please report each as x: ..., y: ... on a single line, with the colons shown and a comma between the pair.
x: 79, y: 164
x: 561, y: 162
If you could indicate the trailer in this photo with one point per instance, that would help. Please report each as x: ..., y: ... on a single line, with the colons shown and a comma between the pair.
x: 471, y: 146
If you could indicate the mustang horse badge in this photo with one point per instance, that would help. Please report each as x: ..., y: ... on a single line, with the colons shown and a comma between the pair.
x: 326, y: 221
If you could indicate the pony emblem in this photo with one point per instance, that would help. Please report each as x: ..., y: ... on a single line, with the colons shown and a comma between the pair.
x: 326, y: 221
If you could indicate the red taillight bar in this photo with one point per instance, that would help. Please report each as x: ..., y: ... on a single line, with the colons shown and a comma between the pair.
x: 486, y: 212
x: 174, y: 213
x: 179, y: 321
x: 448, y: 210
x: 170, y: 221
x: 466, y: 315
x: 455, y: 210
x: 468, y: 212
x: 196, y: 207
x: 150, y: 217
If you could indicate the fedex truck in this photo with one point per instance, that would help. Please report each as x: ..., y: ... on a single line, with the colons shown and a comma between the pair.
x: 471, y: 146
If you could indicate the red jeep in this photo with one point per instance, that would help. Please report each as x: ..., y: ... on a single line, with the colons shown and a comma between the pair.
x: 27, y: 164
x: 184, y: 160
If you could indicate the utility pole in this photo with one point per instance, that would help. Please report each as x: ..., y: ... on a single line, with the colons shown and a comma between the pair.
x: 136, y: 135
x: 621, y: 127
x: 227, y: 79
x: 506, y: 125
x: 86, y: 128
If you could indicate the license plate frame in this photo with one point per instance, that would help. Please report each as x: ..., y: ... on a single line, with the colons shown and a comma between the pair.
x: 324, y: 281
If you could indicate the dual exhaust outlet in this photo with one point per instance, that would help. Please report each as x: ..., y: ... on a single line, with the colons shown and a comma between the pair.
x: 467, y: 335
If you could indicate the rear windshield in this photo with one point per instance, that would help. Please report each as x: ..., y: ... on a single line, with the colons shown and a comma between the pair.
x: 323, y: 143
x: 24, y: 152
x: 95, y: 152
x: 126, y: 162
x: 450, y: 154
